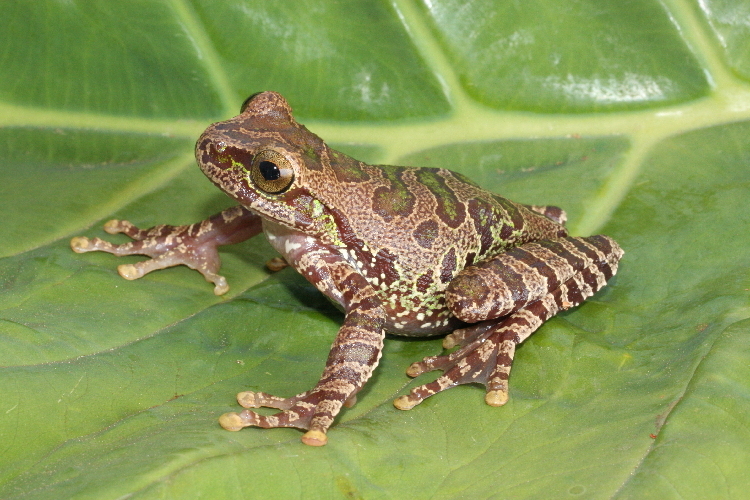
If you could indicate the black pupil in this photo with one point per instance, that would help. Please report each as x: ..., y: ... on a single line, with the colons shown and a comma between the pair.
x: 269, y: 170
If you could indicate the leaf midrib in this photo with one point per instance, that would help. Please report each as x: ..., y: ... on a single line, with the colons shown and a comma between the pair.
x: 469, y: 122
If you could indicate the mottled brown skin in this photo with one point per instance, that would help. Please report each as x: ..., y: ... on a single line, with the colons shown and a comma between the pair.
x: 408, y: 251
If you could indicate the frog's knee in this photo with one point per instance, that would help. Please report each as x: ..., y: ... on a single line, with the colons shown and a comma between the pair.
x: 475, y: 296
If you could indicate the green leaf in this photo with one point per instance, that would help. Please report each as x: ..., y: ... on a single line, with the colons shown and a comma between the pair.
x: 580, y: 57
x: 633, y: 116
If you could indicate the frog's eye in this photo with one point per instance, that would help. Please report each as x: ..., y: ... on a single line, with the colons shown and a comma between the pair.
x: 271, y: 172
x: 247, y: 101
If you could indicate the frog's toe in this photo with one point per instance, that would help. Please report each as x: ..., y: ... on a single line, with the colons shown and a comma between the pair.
x: 301, y: 416
x: 417, y: 369
x: 405, y: 403
x: 468, y: 339
x: 116, y: 226
x: 220, y: 284
x: 250, y: 399
x: 129, y: 271
x: 486, y: 360
x: 312, y: 411
x: 450, y: 341
x: 246, y: 399
x: 419, y: 394
x: 140, y: 269
x: 80, y: 244
x: 431, y: 363
x: 496, y: 397
x: 247, y: 418
x: 465, y: 336
x: 315, y: 438
x: 231, y: 421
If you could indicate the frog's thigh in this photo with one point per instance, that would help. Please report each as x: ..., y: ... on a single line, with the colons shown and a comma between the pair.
x: 557, y: 214
x: 512, y: 280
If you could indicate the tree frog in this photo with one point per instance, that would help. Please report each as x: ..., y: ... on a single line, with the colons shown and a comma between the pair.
x: 402, y: 250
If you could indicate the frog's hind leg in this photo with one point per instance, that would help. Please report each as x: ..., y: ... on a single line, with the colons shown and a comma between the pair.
x: 488, y: 348
x: 557, y: 214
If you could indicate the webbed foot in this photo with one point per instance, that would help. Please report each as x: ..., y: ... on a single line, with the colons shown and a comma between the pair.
x: 166, y: 245
x: 313, y: 411
x: 485, y: 357
x: 193, y: 245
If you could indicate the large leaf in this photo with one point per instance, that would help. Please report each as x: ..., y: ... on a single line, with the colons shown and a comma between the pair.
x: 634, y: 116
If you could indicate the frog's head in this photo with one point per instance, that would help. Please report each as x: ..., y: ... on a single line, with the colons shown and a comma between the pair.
x: 266, y: 160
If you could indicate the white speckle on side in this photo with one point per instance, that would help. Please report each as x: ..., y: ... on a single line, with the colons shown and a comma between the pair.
x: 290, y: 245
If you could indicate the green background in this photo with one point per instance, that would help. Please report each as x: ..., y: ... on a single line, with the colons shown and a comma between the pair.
x: 634, y: 116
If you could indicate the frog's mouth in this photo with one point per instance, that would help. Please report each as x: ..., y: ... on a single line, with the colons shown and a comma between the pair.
x: 224, y: 166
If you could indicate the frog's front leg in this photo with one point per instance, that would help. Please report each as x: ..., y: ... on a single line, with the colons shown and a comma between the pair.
x: 353, y: 357
x: 511, y: 296
x: 193, y: 245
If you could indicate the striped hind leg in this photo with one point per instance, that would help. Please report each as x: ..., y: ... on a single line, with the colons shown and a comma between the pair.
x: 583, y: 266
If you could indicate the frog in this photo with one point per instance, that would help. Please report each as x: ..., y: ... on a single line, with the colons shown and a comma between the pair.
x: 405, y: 251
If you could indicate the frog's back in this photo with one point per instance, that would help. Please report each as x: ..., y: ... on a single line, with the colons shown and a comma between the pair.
x: 423, y: 225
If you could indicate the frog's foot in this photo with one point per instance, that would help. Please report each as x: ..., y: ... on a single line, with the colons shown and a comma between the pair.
x: 312, y: 411
x: 465, y: 336
x: 486, y: 357
x: 166, y: 245
x: 194, y: 245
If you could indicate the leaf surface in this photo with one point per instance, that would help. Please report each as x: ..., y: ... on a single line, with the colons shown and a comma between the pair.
x: 633, y: 116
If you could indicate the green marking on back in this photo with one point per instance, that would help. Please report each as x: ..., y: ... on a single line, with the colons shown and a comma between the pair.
x: 395, y: 200
x: 347, y: 169
x: 450, y: 209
